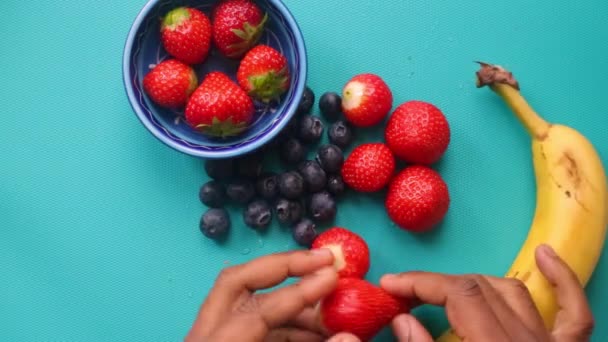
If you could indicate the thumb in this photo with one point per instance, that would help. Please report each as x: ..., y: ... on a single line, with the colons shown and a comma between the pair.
x: 408, y: 329
x: 344, y: 337
x: 574, y: 321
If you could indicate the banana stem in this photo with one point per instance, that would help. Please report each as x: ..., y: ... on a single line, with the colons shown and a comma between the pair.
x: 502, y: 82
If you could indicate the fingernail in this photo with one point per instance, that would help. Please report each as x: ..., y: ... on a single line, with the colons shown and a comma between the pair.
x: 548, y: 251
x: 320, y: 252
x: 389, y: 277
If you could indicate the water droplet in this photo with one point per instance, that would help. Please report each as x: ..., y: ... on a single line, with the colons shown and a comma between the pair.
x: 151, y: 66
x: 177, y: 120
x: 190, y: 294
x: 409, y: 58
x: 461, y: 86
x: 246, y: 251
x: 410, y: 75
x: 260, y: 243
x: 169, y: 279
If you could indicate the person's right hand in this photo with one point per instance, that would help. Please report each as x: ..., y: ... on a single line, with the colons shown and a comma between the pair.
x: 483, y: 308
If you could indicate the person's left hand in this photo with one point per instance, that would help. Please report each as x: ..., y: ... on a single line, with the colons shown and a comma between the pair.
x: 233, y: 311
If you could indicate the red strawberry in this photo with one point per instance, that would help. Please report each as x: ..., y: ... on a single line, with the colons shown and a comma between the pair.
x: 417, y: 198
x: 219, y: 107
x: 186, y: 34
x: 418, y: 133
x: 351, y: 253
x: 366, y: 100
x: 360, y: 308
x: 170, y: 83
x: 237, y: 26
x: 263, y: 73
x: 369, y: 167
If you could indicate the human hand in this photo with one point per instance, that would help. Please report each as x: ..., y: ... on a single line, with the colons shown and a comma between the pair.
x: 483, y: 308
x: 234, y: 311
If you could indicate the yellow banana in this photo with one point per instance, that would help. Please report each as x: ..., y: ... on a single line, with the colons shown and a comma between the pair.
x: 571, y: 197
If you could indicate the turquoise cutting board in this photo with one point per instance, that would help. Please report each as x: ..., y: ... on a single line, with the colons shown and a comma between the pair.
x: 99, y: 236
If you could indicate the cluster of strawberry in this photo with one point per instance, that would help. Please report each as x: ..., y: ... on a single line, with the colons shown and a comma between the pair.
x: 416, y: 133
x: 355, y: 306
x: 218, y: 106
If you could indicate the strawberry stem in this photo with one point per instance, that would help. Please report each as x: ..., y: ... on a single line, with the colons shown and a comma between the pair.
x: 502, y: 82
x: 175, y: 17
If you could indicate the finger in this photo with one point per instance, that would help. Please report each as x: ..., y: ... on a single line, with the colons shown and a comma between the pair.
x: 293, y: 335
x: 278, y: 307
x: 408, y: 329
x: 517, y: 296
x: 344, y: 337
x: 574, y: 320
x: 306, y: 320
x: 259, y: 273
x: 466, y: 307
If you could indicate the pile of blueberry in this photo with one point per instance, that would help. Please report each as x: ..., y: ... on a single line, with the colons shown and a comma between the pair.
x: 301, y: 194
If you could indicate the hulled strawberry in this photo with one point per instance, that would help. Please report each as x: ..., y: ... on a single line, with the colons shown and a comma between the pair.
x: 170, y: 83
x: 418, y: 132
x: 417, y: 198
x: 369, y: 167
x: 186, y: 34
x: 219, y: 107
x: 264, y: 73
x: 366, y: 100
x: 237, y: 26
x: 359, y: 308
x: 351, y: 253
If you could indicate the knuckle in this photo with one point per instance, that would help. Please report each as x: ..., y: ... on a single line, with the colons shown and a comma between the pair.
x: 227, y: 274
x: 469, y: 285
x: 518, y: 286
x: 249, y: 306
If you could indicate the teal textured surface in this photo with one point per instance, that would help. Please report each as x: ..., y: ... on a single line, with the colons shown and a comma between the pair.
x: 99, y: 235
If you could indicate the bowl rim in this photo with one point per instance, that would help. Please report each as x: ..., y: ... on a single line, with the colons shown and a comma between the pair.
x: 242, y: 149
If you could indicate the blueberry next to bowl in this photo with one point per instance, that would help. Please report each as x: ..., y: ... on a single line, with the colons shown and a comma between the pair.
x: 307, y: 101
x: 267, y: 186
x: 292, y: 151
x: 215, y: 223
x: 330, y: 158
x: 212, y: 194
x: 304, y: 233
x: 258, y: 215
x: 340, y: 133
x: 240, y: 191
x: 311, y: 129
x: 219, y: 169
x: 313, y: 175
x: 330, y: 105
x: 322, y: 207
x: 250, y: 166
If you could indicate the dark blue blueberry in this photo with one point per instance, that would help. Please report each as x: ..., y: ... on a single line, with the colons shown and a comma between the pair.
x: 330, y: 158
x: 291, y: 185
x: 289, y: 212
x: 322, y: 207
x: 219, y: 169
x: 215, y: 223
x: 304, y: 233
x: 307, y: 101
x: 330, y: 105
x: 335, y: 185
x: 292, y: 151
x: 267, y: 186
x: 310, y: 129
x: 314, y: 177
x: 240, y: 191
x: 212, y: 194
x: 340, y: 134
x: 250, y: 165
x: 258, y: 215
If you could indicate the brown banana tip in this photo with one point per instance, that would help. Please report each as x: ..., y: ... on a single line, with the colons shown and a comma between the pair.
x: 490, y: 74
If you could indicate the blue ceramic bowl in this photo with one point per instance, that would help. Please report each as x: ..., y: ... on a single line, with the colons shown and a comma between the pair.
x: 143, y: 49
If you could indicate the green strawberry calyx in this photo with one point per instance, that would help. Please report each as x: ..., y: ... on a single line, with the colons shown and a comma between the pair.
x: 175, y: 17
x: 268, y: 86
x: 193, y: 83
x: 222, y: 129
x: 249, y: 34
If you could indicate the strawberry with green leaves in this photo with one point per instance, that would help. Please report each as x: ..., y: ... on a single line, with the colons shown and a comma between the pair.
x: 219, y: 107
x: 237, y: 26
x: 170, y: 83
x: 264, y: 73
x: 186, y: 34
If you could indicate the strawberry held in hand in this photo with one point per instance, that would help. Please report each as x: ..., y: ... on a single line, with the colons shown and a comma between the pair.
x: 186, y: 34
x: 417, y: 198
x: 219, y: 107
x: 418, y: 132
x: 366, y: 100
x: 351, y: 253
x: 170, y: 83
x: 369, y: 167
x: 263, y: 73
x: 359, y: 308
x: 237, y: 26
